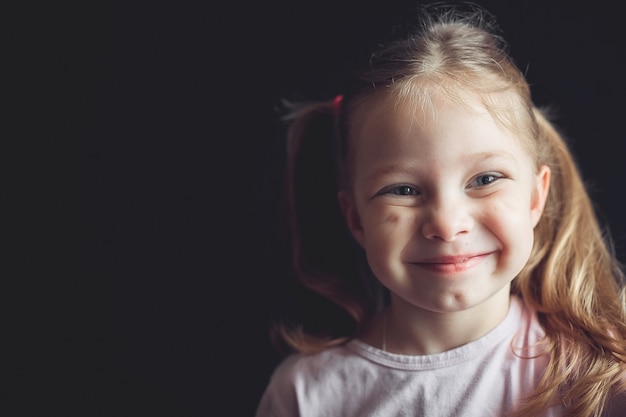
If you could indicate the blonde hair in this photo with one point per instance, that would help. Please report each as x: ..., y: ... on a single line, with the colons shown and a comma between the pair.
x: 572, y: 278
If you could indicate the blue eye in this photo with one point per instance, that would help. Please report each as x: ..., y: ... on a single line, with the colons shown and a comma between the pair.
x: 403, y: 190
x: 483, y: 180
x: 399, y: 191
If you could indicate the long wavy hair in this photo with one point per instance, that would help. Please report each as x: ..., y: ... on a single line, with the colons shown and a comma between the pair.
x: 572, y: 279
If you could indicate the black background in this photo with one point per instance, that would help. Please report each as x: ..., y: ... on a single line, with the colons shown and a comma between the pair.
x: 154, y: 158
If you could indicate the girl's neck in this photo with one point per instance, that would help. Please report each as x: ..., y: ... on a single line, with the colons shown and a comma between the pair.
x: 405, y: 329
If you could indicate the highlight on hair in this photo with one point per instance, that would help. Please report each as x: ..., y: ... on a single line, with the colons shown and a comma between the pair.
x: 576, y: 285
x: 572, y: 277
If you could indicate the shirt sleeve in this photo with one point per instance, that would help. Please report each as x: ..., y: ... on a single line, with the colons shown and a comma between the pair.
x: 279, y: 398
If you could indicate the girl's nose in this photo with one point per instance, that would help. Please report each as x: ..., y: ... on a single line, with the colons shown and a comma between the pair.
x: 446, y: 220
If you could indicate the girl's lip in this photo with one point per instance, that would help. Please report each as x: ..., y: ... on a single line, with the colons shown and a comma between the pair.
x: 454, y: 263
x: 451, y: 259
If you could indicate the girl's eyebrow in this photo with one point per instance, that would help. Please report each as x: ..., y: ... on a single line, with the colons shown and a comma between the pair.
x: 483, y: 156
x: 407, y: 167
x: 395, y: 168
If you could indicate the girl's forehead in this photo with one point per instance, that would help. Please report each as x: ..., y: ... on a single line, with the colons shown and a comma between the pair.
x: 411, y: 108
x: 389, y: 130
x: 381, y: 111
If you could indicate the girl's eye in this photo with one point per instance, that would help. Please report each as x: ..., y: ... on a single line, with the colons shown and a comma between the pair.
x: 483, y: 180
x: 403, y: 190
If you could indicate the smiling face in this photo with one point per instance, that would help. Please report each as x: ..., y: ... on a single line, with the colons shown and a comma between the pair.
x: 443, y: 203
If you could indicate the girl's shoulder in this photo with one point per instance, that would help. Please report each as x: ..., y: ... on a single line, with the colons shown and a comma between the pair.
x: 299, y: 365
x: 520, y: 327
x: 297, y: 375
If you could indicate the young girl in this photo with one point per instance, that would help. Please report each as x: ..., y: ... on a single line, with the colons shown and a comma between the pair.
x: 456, y: 264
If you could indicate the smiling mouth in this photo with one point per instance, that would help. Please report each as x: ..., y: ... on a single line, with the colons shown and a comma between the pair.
x: 448, y: 264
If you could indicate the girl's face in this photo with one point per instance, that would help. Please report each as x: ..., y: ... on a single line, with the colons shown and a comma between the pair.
x: 444, y: 203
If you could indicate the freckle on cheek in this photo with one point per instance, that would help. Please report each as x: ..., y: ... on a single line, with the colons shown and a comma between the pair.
x: 392, y: 218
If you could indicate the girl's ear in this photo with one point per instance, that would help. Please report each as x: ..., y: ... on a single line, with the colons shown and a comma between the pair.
x: 350, y: 214
x: 540, y: 194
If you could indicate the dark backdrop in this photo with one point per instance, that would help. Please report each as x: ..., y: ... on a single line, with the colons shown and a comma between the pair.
x: 152, y: 232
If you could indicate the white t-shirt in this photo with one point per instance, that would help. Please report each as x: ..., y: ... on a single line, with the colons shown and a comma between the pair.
x: 486, y: 377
